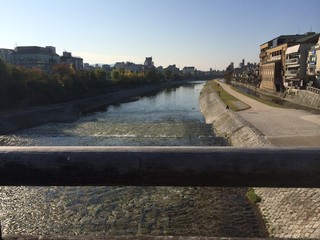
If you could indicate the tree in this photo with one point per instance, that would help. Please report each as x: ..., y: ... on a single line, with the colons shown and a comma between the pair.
x: 169, y: 74
x: 115, y: 75
x: 101, y: 74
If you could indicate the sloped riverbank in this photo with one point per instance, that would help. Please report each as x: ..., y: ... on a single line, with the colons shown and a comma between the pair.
x: 288, y: 213
x: 228, y: 123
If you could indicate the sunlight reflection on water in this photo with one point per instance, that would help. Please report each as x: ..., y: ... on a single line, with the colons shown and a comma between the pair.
x: 170, y: 118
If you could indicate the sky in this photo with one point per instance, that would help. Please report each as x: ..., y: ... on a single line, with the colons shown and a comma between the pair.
x: 201, y: 33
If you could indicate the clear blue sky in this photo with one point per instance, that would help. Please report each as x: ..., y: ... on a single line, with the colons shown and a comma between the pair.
x: 201, y: 33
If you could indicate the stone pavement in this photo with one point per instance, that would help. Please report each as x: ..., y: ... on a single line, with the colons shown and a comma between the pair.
x: 288, y: 212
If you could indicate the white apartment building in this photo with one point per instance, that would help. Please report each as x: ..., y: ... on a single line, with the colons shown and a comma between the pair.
x: 296, y: 65
x: 313, y: 63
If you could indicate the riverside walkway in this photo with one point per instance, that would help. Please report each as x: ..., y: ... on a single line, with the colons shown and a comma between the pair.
x: 282, y: 126
x: 288, y: 212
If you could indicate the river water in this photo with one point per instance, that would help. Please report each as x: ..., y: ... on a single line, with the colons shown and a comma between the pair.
x: 168, y: 118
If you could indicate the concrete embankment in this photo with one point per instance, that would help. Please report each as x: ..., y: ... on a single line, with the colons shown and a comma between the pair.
x: 18, y: 119
x: 229, y: 124
x: 288, y: 213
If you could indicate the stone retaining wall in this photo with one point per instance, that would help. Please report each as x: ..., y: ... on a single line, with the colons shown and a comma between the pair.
x: 305, y: 98
x: 291, y: 212
x: 288, y: 213
x: 301, y: 97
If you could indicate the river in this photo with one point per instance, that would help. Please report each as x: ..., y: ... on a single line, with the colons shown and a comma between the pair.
x: 168, y: 118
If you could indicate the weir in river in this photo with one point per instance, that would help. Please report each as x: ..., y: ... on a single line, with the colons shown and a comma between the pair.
x: 168, y: 118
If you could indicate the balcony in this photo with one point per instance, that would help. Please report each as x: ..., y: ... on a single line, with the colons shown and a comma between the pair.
x: 292, y: 61
x: 311, y: 68
x: 291, y: 73
x: 275, y: 58
x: 262, y: 54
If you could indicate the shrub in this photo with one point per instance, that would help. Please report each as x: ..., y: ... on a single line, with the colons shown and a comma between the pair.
x: 252, y: 196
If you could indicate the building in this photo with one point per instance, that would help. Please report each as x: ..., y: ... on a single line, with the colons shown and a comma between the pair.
x: 242, y: 64
x: 247, y: 73
x: 173, y: 69
x: 106, y: 68
x: 88, y: 67
x: 129, y: 66
x: 148, y: 63
x: 160, y: 70
x: 75, y: 62
x: 230, y: 68
x: 188, y: 71
x: 272, y: 61
x: 273, y: 54
x: 271, y: 75
x: 296, y: 65
x: 313, y: 63
x: 119, y: 65
x: 34, y: 57
x: 4, y: 53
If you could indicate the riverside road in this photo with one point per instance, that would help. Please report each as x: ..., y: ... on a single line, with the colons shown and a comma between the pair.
x: 282, y: 126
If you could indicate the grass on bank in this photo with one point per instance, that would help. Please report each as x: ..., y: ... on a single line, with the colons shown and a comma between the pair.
x: 231, y: 101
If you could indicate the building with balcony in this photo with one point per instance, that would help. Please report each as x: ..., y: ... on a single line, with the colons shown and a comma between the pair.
x: 296, y: 65
x: 313, y: 63
x: 75, y: 62
x: 273, y: 55
x: 34, y: 57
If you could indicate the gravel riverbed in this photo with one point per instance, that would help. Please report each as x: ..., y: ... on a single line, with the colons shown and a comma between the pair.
x: 112, y: 211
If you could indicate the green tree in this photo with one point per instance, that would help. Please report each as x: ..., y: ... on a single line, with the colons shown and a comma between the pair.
x: 101, y: 74
x: 115, y: 75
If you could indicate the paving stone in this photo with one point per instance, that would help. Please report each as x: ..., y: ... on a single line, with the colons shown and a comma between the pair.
x: 291, y: 212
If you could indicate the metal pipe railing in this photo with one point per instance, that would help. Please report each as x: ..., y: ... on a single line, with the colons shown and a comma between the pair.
x: 160, y: 166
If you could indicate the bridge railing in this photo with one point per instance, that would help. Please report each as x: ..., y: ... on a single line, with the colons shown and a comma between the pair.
x: 160, y: 166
